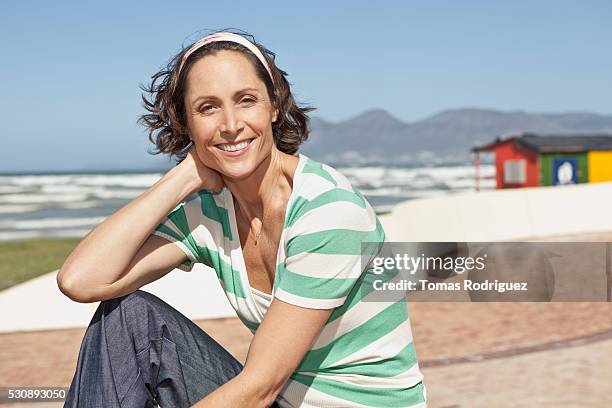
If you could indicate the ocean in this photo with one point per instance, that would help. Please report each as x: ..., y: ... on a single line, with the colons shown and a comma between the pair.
x: 71, y: 204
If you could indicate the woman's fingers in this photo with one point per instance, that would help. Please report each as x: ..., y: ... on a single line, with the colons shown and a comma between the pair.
x: 210, y: 179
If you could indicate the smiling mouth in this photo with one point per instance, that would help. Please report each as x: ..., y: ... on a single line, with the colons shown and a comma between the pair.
x: 234, y: 147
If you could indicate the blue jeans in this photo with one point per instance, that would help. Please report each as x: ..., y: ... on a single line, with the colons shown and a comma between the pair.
x: 138, y: 351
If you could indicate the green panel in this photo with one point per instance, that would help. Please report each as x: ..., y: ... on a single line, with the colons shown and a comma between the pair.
x: 546, y: 161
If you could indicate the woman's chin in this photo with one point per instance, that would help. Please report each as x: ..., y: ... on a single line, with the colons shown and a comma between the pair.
x: 238, y: 170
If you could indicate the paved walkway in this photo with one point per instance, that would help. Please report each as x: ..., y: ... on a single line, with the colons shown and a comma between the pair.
x: 472, y: 354
x: 572, y: 377
x: 467, y: 352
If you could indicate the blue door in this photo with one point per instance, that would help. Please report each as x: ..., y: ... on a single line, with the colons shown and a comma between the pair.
x: 565, y: 171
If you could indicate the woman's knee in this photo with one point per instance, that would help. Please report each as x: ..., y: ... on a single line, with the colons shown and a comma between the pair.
x: 136, y: 317
x: 136, y: 299
x: 136, y: 309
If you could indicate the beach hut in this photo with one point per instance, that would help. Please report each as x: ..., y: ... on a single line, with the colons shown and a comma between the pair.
x: 529, y: 159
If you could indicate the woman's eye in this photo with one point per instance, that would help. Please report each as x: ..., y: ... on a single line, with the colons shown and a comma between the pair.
x: 248, y: 100
x: 206, y: 109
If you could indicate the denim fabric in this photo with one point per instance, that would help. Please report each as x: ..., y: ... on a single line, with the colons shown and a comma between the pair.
x: 138, y: 351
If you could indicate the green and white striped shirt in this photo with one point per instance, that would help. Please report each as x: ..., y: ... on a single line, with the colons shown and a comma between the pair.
x: 364, y: 356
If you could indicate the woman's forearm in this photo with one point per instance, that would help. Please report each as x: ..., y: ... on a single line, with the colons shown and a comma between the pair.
x: 104, y: 254
x: 240, y: 391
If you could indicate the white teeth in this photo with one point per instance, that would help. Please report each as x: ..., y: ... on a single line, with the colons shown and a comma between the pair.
x: 234, y: 147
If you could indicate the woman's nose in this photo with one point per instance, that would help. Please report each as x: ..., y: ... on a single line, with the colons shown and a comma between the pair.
x: 230, y: 122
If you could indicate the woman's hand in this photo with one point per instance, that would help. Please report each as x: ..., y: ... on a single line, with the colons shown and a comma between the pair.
x: 120, y: 254
x: 206, y: 178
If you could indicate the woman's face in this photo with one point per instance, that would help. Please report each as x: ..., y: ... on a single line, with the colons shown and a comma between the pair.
x: 229, y: 114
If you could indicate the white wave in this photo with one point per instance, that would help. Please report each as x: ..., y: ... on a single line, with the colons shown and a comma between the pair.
x: 375, y: 192
x: 383, y: 209
x: 121, y: 180
x: 488, y: 183
x: 11, y: 189
x: 14, y: 235
x: 65, y: 188
x: 41, y: 198
x: 470, y: 184
x: 446, y: 172
x: 97, y: 191
x: 118, y: 193
x: 388, y: 191
x: 36, y: 180
x: 82, y: 204
x: 426, y: 193
x: 45, y: 223
x: 400, y: 182
x: 70, y: 197
x: 459, y: 184
x: 66, y: 233
x: 15, y: 209
x: 373, y: 172
x: 136, y: 180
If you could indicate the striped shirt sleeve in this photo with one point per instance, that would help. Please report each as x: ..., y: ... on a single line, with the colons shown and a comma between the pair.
x: 323, y: 250
x: 175, y: 227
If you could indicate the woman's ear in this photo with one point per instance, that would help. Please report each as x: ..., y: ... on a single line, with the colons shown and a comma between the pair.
x: 274, y: 115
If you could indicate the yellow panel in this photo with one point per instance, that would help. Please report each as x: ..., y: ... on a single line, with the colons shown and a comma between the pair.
x: 600, y: 166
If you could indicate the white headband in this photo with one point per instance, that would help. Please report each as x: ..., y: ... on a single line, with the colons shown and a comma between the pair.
x: 225, y: 36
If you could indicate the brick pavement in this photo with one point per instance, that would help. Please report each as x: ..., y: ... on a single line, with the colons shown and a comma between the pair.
x: 441, y: 331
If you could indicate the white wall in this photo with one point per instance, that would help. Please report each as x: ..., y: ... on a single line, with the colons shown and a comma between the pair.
x: 499, y: 215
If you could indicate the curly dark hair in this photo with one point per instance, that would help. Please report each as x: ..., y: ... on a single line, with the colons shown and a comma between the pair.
x: 166, y: 121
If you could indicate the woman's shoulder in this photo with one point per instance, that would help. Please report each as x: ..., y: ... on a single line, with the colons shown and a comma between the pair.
x: 325, y: 194
x: 322, y: 181
x: 325, y: 176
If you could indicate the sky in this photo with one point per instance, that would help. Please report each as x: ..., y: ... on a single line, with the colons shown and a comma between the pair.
x: 71, y: 71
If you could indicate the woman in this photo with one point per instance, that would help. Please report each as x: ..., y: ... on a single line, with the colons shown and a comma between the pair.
x: 283, y: 233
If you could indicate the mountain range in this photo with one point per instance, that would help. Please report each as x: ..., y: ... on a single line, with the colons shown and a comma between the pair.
x: 376, y: 137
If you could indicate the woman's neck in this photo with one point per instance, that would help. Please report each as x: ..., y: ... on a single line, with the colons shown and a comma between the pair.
x: 260, y: 191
